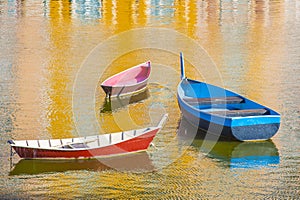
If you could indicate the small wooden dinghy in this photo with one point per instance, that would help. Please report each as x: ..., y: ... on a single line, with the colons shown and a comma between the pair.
x: 130, y: 81
x: 90, y: 146
x: 223, y: 112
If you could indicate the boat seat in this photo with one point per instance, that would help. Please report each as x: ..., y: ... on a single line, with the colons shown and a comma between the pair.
x: 216, y: 100
x: 240, y: 113
x: 74, y: 146
x: 147, y: 129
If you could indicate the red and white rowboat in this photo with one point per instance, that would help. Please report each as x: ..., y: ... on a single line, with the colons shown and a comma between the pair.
x: 132, y: 80
x: 90, y: 146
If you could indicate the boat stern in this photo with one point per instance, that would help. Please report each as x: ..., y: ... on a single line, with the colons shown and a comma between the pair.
x: 255, y: 128
x: 107, y: 89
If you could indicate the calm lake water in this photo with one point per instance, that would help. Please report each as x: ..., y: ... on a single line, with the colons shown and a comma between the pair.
x: 53, y: 49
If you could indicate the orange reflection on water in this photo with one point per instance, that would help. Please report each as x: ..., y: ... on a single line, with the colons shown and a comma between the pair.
x: 264, y: 55
x: 29, y: 121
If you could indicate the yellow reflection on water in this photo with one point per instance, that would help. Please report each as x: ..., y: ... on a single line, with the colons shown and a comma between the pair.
x: 59, y: 109
x: 141, y: 8
x: 120, y: 14
x: 124, y: 15
x: 186, y: 15
x: 109, y: 13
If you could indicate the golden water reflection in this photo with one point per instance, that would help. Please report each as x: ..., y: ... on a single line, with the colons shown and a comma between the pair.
x: 60, y: 109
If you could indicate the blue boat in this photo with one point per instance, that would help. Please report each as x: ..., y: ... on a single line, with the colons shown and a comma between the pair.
x: 223, y: 112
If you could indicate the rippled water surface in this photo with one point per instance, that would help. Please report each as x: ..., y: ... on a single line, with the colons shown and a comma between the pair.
x: 49, y: 47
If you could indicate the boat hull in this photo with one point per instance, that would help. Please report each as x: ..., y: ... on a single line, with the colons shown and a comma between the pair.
x: 136, y: 144
x: 118, y: 91
x: 225, y: 113
x: 241, y: 133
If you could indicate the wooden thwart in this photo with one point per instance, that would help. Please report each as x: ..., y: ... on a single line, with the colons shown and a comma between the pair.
x: 240, y: 113
x: 217, y: 100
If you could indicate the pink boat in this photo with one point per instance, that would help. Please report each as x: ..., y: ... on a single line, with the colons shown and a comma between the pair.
x: 130, y: 81
x: 97, y: 146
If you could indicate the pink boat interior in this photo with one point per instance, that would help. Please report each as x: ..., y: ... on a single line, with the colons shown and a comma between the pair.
x: 131, y: 76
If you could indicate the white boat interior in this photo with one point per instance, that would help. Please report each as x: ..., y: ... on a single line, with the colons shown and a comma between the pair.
x: 87, y: 142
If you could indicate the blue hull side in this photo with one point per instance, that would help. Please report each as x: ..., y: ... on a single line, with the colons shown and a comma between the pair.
x: 242, y: 133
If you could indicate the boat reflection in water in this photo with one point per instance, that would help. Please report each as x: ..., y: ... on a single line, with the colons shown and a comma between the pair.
x: 135, y: 162
x: 119, y: 102
x: 234, y: 154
